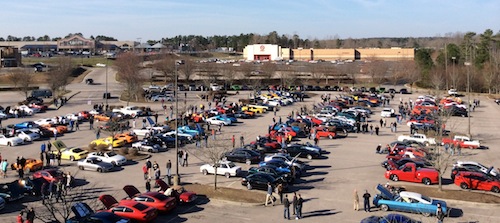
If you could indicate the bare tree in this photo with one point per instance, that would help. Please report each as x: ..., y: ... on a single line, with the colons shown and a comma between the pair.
x: 228, y: 74
x: 437, y: 78
x: 22, y: 80
x: 127, y: 65
x: 317, y: 73
x: 166, y: 65
x: 214, y: 152
x: 377, y: 71
x: 188, y: 69
x: 59, y: 75
x: 268, y: 71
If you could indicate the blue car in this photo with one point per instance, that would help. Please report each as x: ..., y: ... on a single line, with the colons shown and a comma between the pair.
x: 278, y: 165
x: 390, y: 218
x: 277, y: 127
x: 233, y: 119
x: 187, y: 130
x: 407, y: 202
x: 25, y: 125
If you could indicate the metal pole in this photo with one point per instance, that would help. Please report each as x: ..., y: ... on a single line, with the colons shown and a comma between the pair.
x: 468, y: 99
x: 106, y: 94
x: 176, y: 122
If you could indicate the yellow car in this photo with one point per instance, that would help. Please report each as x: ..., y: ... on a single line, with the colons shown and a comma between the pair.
x: 253, y: 109
x: 109, y: 141
x: 71, y: 153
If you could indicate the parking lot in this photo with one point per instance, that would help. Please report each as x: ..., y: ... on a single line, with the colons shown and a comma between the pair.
x: 327, y: 187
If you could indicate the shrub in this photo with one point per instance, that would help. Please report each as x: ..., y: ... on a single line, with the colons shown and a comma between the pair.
x: 133, y: 152
x: 124, y: 151
x: 92, y: 147
x: 102, y: 148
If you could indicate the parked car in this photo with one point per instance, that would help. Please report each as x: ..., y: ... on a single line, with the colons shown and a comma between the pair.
x: 260, y: 181
x: 153, y: 199
x: 129, y: 209
x: 147, y: 146
x: 243, y: 156
x: 226, y: 168
x: 31, y: 165
x: 478, y: 166
x: 95, y: 164
x: 407, y: 202
x: 300, y: 151
x: 390, y: 218
x: 84, y: 214
x: 409, y: 172
x: 50, y: 175
x: 109, y: 157
x: 27, y: 136
x: 10, y: 141
x: 69, y: 153
x: 477, y: 181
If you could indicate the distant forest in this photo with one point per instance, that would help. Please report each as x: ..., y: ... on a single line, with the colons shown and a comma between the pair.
x: 238, y: 42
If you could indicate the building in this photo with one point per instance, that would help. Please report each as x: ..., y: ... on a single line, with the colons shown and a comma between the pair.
x: 275, y: 52
x: 9, y: 56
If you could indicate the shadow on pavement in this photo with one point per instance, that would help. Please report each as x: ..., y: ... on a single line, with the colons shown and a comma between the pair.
x: 455, y: 213
x: 318, y: 213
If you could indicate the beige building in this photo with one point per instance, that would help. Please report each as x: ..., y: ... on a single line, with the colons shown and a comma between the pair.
x: 9, y: 56
x: 275, y: 52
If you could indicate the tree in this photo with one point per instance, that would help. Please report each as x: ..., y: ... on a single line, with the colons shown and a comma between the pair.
x: 166, y: 66
x: 127, y: 65
x: 437, y: 78
x: 317, y: 72
x: 188, y: 69
x: 58, y: 77
x: 22, y: 80
x: 377, y: 71
x: 214, y: 152
x: 228, y: 73
x: 268, y: 71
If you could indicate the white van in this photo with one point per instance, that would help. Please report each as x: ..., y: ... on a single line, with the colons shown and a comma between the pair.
x: 215, y: 87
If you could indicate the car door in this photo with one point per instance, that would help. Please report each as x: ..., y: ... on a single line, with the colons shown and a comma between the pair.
x: 482, y: 183
x: 406, y: 174
x: 219, y: 167
x: 89, y: 164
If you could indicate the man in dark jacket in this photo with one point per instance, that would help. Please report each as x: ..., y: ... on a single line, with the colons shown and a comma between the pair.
x: 286, y: 205
x: 366, y: 197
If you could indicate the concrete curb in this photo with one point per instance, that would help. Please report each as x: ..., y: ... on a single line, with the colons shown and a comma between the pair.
x: 486, y: 205
x: 238, y: 203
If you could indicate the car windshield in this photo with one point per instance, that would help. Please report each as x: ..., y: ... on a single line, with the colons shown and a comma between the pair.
x: 428, y: 199
x: 77, y: 150
x: 140, y: 207
x: 160, y: 196
x: 110, y: 154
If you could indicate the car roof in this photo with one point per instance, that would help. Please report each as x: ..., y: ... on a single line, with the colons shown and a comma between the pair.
x: 410, y: 194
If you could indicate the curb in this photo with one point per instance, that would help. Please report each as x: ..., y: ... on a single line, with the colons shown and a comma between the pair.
x: 487, y: 205
x: 237, y: 203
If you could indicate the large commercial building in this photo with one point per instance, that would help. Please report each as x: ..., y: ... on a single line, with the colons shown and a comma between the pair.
x: 275, y: 52
x: 9, y: 56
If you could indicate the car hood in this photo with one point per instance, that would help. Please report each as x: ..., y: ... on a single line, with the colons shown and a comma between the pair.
x: 384, y: 192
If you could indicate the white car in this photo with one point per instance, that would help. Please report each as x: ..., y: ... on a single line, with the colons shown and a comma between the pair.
x: 287, y: 159
x: 476, y: 165
x: 10, y: 141
x: 3, y: 115
x: 217, y: 121
x: 452, y: 92
x: 27, y: 135
x: 226, y: 168
x: 387, y: 113
x: 45, y: 121
x: 26, y: 109
x: 74, y: 117
x: 147, y: 131
x: 143, y: 146
x: 109, y: 157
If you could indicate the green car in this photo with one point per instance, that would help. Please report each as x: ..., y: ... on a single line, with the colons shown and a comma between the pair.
x: 235, y: 87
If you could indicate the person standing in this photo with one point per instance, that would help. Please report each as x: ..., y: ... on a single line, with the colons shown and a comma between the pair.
x: 42, y: 148
x: 148, y: 185
x: 439, y: 213
x: 185, y: 157
x: 156, y: 118
x: 269, y: 195
x: 91, y: 122
x: 316, y: 140
x: 55, y: 133
x: 286, y: 205
x: 4, y: 165
x: 77, y: 125
x: 98, y: 133
x: 149, y: 166
x: 366, y: 203
x: 180, y: 155
x: 20, y: 218
x: 69, y: 181
x: 279, y: 189
x: 30, y: 215
x: 169, y: 168
x: 356, y: 200
x: 242, y: 140
x: 145, y: 171
x: 49, y: 146
x: 58, y: 157
x: 300, y: 203
x: 294, y: 203
x: 377, y: 129
x: 233, y: 140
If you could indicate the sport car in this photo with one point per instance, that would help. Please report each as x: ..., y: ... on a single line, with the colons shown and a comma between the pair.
x: 157, y: 200
x: 127, y: 137
x: 109, y: 141
x: 71, y: 153
x: 109, y: 157
x: 184, y: 196
x: 32, y: 165
x: 129, y: 209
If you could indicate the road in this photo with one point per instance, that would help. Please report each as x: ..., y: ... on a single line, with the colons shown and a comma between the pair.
x: 327, y: 187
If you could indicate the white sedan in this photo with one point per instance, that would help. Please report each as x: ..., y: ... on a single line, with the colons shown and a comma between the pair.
x: 226, y: 168
x: 109, y: 157
x: 45, y: 121
x: 10, y: 141
x: 26, y: 109
x: 27, y: 135
x: 218, y: 121
x: 172, y: 134
x: 74, y: 117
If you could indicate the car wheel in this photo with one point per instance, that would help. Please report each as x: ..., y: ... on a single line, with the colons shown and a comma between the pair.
x: 330, y: 136
x: 248, y: 162
x: 81, y: 168
x: 464, y: 186
x: 384, y: 207
x: 114, y: 163
x: 150, y: 150
x: 99, y: 170
x: 426, y: 181
x: 205, y: 172
x: 309, y: 156
x: 495, y: 189
x: 426, y: 214
x: 72, y: 158
x: 394, y: 177
x: 9, y: 144
x: 249, y: 186
x: 227, y: 175
x: 426, y: 144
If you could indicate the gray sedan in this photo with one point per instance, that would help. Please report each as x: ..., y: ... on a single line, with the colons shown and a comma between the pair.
x: 95, y: 164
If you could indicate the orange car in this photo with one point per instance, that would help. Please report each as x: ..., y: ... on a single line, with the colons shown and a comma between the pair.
x: 127, y: 137
x: 31, y: 165
x: 251, y: 113
x: 102, y: 117
x: 60, y: 128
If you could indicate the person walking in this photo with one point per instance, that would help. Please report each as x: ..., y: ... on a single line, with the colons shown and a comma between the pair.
x: 279, y: 189
x: 91, y: 122
x: 269, y: 195
x: 233, y: 140
x: 242, y: 140
x: 98, y: 134
x: 185, y: 157
x: 356, y: 200
x: 169, y: 168
x: 4, y: 166
x: 294, y: 203
x: 77, y: 125
x: 377, y: 129
x: 439, y: 213
x: 286, y: 205
x: 300, y: 203
x: 366, y: 203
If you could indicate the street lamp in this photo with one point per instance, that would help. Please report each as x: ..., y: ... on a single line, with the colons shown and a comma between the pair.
x: 176, y: 92
x: 467, y: 64
x: 453, y: 72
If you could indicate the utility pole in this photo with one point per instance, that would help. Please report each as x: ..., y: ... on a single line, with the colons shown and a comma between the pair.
x: 468, y: 64
x: 176, y: 92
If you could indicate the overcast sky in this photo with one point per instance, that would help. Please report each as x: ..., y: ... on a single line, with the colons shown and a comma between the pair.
x: 154, y: 19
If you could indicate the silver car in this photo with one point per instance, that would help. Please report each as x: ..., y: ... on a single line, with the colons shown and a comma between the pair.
x: 95, y: 164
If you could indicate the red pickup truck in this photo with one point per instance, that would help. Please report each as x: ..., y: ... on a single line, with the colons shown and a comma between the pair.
x: 409, y: 172
x: 462, y: 141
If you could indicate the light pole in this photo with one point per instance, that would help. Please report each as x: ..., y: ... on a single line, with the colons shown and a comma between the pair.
x: 106, y: 94
x: 467, y: 64
x: 453, y: 73
x: 176, y: 92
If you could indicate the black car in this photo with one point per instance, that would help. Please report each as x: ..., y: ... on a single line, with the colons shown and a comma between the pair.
x: 404, y: 91
x: 295, y: 150
x: 273, y: 171
x: 260, y: 180
x: 243, y: 156
x: 456, y: 111
x: 401, y: 162
x: 239, y: 114
x: 84, y: 214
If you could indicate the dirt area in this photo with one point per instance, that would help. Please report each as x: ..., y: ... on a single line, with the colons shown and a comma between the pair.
x: 228, y: 194
x: 462, y: 195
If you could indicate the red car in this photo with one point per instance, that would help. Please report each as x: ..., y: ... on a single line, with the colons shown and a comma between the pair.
x: 184, y: 196
x: 50, y: 175
x: 129, y: 209
x: 324, y: 132
x: 40, y: 106
x: 409, y: 172
x: 477, y: 181
x: 85, y: 114
x: 157, y: 200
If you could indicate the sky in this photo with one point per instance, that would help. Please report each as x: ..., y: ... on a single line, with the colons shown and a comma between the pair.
x: 322, y: 19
